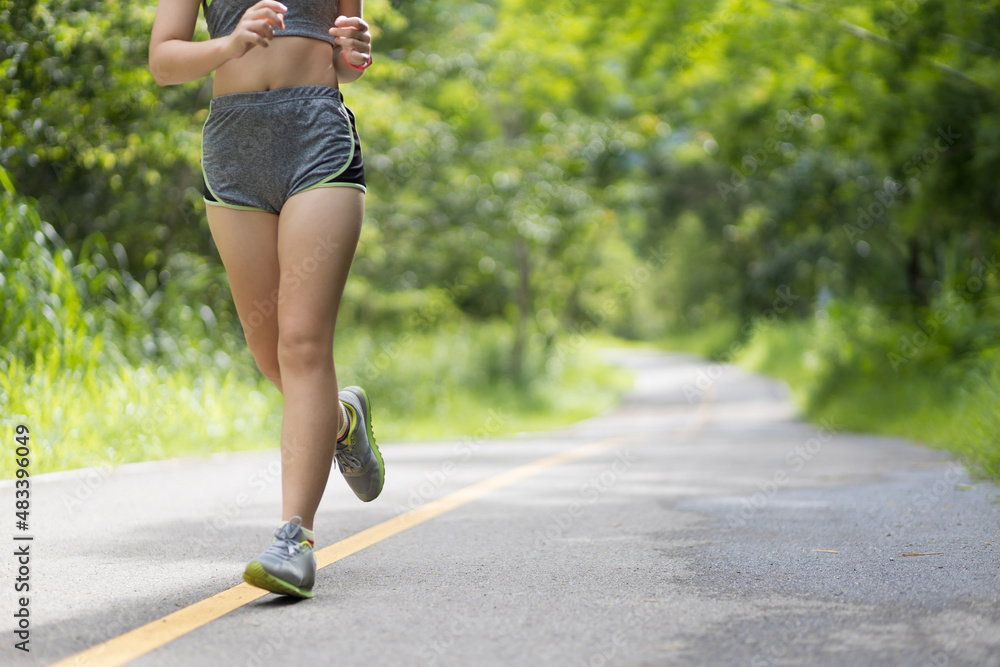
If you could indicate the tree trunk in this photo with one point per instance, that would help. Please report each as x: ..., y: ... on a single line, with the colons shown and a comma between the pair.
x: 916, y: 280
x: 523, y: 295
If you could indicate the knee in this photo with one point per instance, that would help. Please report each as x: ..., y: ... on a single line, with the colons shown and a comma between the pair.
x: 266, y: 358
x: 274, y: 375
x: 267, y: 363
x: 303, y: 349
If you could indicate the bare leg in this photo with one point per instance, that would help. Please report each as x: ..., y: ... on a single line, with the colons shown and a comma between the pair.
x: 318, y: 233
x: 248, y: 245
x: 287, y: 276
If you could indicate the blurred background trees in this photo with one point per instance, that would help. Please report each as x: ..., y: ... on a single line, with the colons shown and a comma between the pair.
x: 652, y: 170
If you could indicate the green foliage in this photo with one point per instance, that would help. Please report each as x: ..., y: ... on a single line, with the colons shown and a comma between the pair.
x: 856, y: 160
x: 87, y: 133
x: 82, y: 310
x: 171, y: 379
x: 537, y: 171
x: 105, y: 368
x: 846, y: 369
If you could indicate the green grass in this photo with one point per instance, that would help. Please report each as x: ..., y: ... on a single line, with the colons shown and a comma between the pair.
x: 99, y: 415
x: 581, y: 392
x: 105, y: 367
x: 110, y: 416
x: 711, y: 340
x: 844, y: 381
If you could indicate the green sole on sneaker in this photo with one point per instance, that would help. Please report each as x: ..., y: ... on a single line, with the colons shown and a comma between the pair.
x: 371, y: 439
x: 255, y: 575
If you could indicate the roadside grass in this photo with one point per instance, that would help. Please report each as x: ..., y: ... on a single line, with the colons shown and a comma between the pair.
x: 505, y: 409
x: 105, y: 367
x: 456, y: 382
x: 950, y: 406
x: 713, y: 340
x: 107, y: 416
x: 98, y: 415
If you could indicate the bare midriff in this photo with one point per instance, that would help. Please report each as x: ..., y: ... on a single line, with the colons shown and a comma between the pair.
x: 286, y: 62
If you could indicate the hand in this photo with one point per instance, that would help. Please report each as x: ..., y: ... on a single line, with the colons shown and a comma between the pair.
x: 352, y: 35
x: 257, y: 27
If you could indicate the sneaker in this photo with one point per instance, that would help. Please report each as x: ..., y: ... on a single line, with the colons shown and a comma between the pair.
x: 357, y: 456
x: 288, y: 567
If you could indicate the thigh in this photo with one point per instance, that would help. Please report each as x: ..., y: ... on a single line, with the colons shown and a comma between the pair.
x: 248, y: 244
x: 318, y: 232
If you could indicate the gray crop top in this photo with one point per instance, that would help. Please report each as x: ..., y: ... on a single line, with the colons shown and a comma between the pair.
x: 304, y: 18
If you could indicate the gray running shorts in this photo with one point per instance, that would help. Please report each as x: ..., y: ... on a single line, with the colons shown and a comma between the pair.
x: 259, y: 149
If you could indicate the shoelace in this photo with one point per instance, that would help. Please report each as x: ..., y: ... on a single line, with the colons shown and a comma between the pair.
x: 294, y: 548
x: 347, y: 461
x: 286, y: 548
x: 283, y: 540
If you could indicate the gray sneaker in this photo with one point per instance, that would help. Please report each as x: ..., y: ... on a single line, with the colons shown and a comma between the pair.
x: 288, y: 567
x: 358, y: 457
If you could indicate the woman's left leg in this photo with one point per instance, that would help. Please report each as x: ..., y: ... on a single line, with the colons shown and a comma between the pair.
x: 318, y: 233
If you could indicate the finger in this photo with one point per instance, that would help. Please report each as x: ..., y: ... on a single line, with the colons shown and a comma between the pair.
x: 270, y: 4
x: 262, y: 28
x: 354, y: 34
x: 356, y: 57
x: 261, y: 37
x: 352, y: 46
x: 351, y: 22
x: 362, y: 41
x: 257, y: 34
x: 347, y: 42
x: 252, y: 39
x: 270, y: 16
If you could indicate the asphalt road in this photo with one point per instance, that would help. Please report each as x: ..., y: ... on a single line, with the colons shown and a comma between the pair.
x: 711, y: 527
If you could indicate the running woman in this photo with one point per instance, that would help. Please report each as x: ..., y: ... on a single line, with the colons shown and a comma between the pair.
x: 285, y: 194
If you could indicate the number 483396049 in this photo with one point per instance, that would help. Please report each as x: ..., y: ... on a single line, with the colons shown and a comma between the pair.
x: 23, y: 490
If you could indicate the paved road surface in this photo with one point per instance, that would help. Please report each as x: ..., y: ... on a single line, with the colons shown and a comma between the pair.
x: 724, y: 532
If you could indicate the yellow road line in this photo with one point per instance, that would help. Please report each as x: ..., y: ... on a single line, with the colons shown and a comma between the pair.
x: 702, y: 415
x: 142, y: 640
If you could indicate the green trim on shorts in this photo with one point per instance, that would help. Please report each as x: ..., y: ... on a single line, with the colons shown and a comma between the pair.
x: 350, y: 158
x: 325, y: 183
x: 235, y: 207
x: 334, y: 185
x: 218, y: 201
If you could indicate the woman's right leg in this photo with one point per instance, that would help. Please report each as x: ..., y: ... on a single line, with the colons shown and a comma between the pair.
x: 248, y: 244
